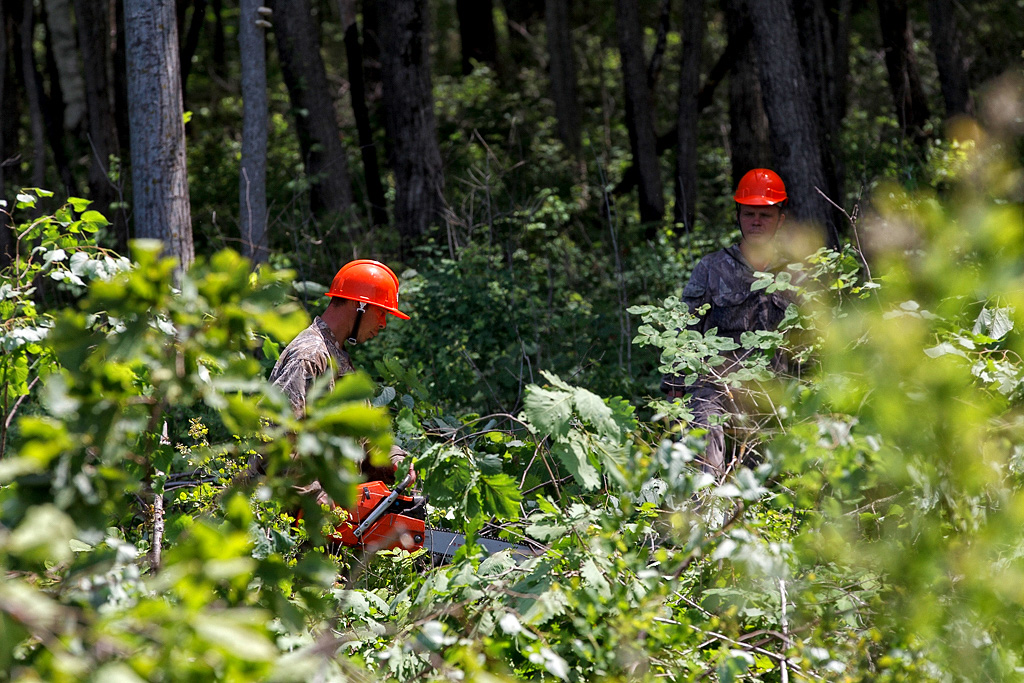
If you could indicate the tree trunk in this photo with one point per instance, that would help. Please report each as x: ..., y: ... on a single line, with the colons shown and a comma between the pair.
x: 949, y: 58
x: 33, y: 91
x: 563, y: 75
x: 749, y: 145
x: 357, y: 89
x: 409, y: 115
x: 91, y: 20
x: 120, y: 65
x: 519, y: 16
x: 795, y: 139
x: 371, y: 53
x: 654, y: 68
x: 689, y: 110
x: 639, y: 113
x: 6, y: 235
x: 159, y: 178
x: 252, y: 182
x: 476, y: 32
x: 316, y: 124
x: 69, y: 69
x: 822, y: 39
x: 53, y: 115
x: 219, y: 40
x: 904, y: 82
x: 191, y: 43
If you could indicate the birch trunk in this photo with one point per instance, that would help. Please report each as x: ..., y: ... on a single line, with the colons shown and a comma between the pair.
x: 69, y: 68
x: 252, y: 183
x: 156, y: 126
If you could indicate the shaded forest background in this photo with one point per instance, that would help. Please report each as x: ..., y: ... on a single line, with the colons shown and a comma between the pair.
x: 535, y: 168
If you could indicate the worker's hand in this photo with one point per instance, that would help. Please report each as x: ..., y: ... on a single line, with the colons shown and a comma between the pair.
x: 412, y: 474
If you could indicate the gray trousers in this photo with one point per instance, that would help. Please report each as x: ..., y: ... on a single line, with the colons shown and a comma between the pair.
x: 710, y: 404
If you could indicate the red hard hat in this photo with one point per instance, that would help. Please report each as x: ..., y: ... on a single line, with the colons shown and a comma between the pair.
x: 760, y: 187
x: 368, y: 281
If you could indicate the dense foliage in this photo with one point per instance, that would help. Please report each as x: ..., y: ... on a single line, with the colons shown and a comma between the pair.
x: 869, y: 529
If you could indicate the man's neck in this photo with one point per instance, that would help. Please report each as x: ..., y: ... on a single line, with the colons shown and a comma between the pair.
x: 336, y: 322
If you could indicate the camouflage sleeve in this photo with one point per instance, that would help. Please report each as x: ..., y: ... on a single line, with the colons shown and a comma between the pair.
x: 695, y: 293
x: 294, y: 379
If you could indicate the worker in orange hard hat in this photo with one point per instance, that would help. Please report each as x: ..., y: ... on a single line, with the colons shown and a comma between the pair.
x: 363, y: 294
x: 723, y: 281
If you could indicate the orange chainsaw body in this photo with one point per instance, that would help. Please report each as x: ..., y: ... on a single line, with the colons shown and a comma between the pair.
x: 403, y: 526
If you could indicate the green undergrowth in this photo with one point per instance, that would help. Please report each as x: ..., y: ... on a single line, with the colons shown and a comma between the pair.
x: 868, y: 528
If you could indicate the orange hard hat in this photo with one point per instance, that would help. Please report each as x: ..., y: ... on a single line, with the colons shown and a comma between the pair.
x: 760, y: 187
x: 368, y: 281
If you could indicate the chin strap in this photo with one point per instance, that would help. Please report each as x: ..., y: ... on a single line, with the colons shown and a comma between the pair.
x: 355, y: 326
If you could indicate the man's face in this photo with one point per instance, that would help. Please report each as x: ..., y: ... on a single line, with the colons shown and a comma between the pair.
x: 760, y: 223
x: 374, y: 320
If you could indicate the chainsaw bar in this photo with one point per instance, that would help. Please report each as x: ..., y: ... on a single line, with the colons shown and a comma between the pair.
x: 443, y: 545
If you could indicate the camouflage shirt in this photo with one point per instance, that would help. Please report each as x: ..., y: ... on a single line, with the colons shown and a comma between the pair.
x: 723, y: 280
x: 313, y: 353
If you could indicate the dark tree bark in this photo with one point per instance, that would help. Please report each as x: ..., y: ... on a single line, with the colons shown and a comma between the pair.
x: 476, y: 33
x: 101, y: 140
x: 371, y: 52
x: 6, y: 236
x: 824, y: 36
x: 120, y: 82
x: 904, y: 81
x: 654, y: 68
x: 670, y: 139
x: 519, y: 15
x: 639, y: 113
x: 357, y: 89
x: 749, y: 145
x: 159, y: 179
x: 795, y: 139
x: 25, y: 58
x: 219, y: 39
x: 563, y: 74
x: 191, y: 43
x: 252, y: 181
x: 53, y: 115
x: 949, y: 58
x: 409, y: 115
x: 689, y: 110
x: 316, y: 123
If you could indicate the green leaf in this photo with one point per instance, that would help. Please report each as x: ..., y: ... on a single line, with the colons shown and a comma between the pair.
x: 500, y: 496
x: 573, y: 454
x: 593, y: 576
x: 548, y: 411
x: 594, y: 410
x: 94, y: 217
x: 79, y: 204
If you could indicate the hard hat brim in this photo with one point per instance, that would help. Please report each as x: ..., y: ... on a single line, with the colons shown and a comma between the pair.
x: 758, y: 201
x: 393, y: 311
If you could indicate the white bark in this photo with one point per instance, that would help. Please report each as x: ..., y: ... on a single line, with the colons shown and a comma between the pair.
x: 156, y: 127
x: 69, y: 68
x: 252, y: 184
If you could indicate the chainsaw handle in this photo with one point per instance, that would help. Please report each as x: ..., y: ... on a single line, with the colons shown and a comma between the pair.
x: 382, y: 508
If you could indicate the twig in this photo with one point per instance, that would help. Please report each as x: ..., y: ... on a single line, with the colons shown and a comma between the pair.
x: 853, y: 227
x: 785, y: 631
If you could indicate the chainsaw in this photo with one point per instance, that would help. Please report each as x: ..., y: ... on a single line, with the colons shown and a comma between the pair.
x: 384, y: 519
